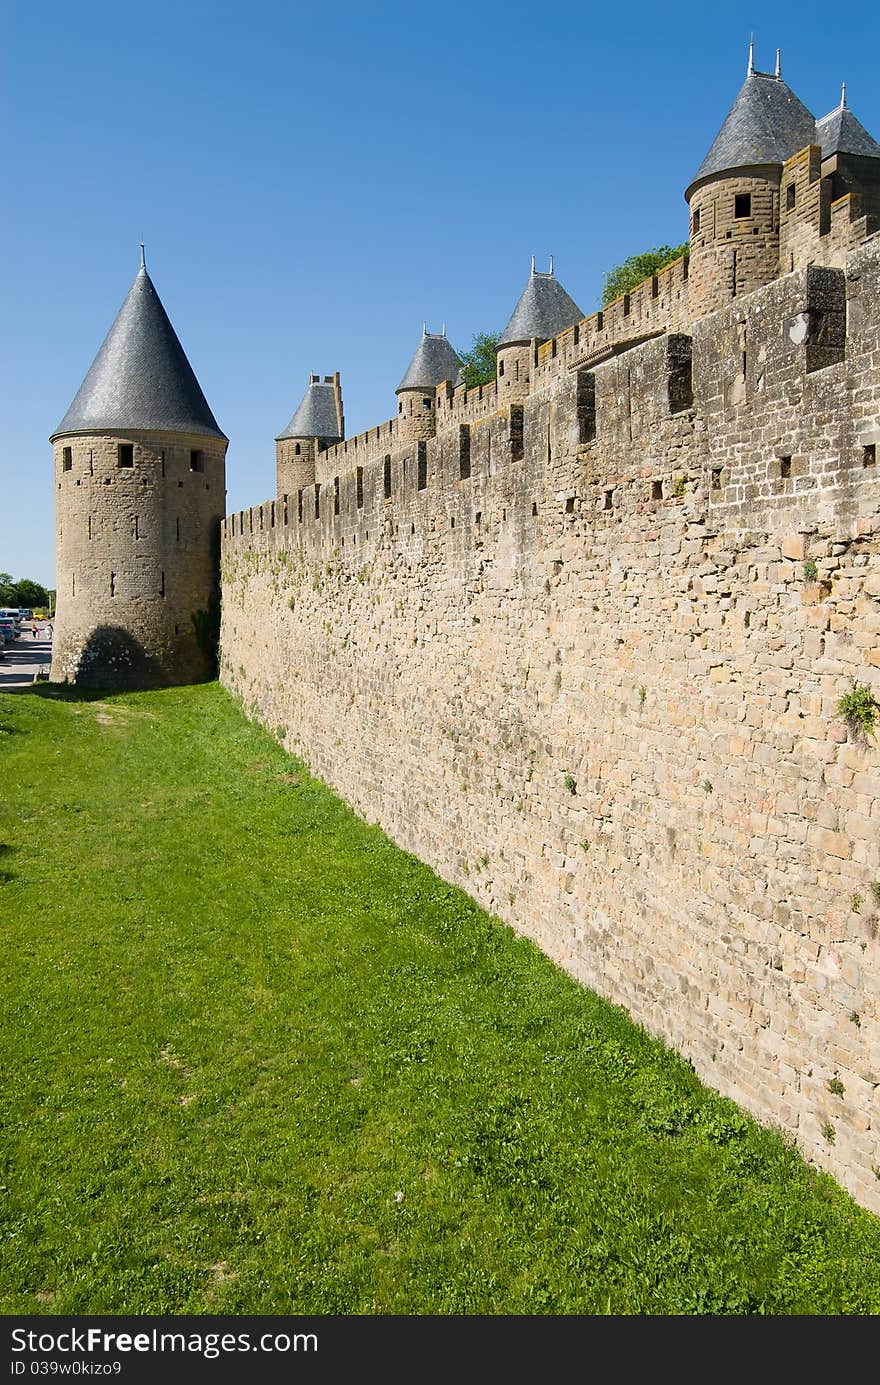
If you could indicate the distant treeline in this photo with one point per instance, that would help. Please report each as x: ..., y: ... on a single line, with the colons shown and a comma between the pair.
x: 31, y: 595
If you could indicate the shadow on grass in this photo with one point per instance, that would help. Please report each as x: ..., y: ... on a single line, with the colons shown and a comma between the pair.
x: 70, y: 692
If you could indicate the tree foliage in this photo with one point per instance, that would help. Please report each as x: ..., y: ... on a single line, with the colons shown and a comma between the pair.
x: 22, y: 593
x: 624, y: 277
x: 478, y: 364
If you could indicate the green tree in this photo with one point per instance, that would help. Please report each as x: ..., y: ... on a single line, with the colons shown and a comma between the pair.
x: 30, y: 594
x: 7, y: 590
x: 478, y: 364
x: 624, y: 277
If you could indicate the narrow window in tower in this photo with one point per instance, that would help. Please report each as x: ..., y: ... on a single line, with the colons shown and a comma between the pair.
x: 422, y: 467
x: 336, y: 495
x: 67, y: 458
x: 500, y: 369
x: 162, y: 459
x: 137, y: 527
x: 426, y: 406
x: 359, y: 486
x: 196, y: 461
x: 91, y: 462
x: 742, y: 205
x: 299, y: 506
x: 90, y: 527
x: 297, y: 450
x: 318, y: 501
x: 386, y: 477
x: 696, y: 223
x: 733, y: 274
x: 73, y: 584
x: 112, y: 583
x: 869, y: 454
x: 400, y: 407
x: 162, y: 587
x: 516, y: 369
x: 125, y: 454
x: 790, y: 196
x: 178, y: 528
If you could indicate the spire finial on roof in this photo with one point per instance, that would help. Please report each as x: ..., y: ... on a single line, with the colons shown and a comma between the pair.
x: 551, y: 264
x: 143, y: 257
x: 751, y: 66
x: 443, y: 330
x: 533, y: 264
x: 843, y: 96
x: 778, y: 72
x: 424, y: 329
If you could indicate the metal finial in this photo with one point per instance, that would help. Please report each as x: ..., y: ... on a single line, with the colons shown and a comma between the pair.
x: 751, y: 66
x: 424, y: 329
x: 533, y: 264
x: 143, y: 257
x: 443, y: 330
x: 843, y: 96
x: 551, y: 264
x: 778, y: 63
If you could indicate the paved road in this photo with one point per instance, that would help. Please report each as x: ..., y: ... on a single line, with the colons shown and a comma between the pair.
x: 23, y: 657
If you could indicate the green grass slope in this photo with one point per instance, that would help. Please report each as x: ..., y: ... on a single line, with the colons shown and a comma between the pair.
x: 258, y: 1060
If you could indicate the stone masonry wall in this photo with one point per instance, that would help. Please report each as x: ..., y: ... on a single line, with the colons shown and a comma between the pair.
x: 585, y: 658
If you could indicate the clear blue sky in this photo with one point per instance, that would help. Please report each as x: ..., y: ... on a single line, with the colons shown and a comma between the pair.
x: 312, y: 181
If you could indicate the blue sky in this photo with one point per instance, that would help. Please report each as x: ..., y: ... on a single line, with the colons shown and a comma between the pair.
x: 312, y: 182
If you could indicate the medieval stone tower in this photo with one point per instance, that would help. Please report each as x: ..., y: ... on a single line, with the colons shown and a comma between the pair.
x: 544, y: 309
x: 140, y: 490
x: 317, y: 423
x: 434, y: 361
x: 749, y: 196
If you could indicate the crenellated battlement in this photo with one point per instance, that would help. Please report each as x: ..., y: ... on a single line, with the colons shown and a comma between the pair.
x: 763, y: 372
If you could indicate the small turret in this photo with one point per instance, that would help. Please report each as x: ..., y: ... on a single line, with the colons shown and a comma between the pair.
x: 140, y: 489
x: 544, y: 309
x: 850, y: 157
x: 434, y: 361
x: 734, y: 196
x: 318, y: 423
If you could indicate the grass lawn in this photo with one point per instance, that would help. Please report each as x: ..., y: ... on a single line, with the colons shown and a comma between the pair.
x: 258, y: 1060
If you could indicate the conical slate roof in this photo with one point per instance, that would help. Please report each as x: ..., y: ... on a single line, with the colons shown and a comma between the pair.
x: 544, y: 310
x: 766, y: 125
x: 140, y: 378
x: 840, y: 132
x: 435, y: 361
x: 316, y: 416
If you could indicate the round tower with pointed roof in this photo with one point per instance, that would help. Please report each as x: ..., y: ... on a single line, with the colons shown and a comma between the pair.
x: 434, y: 361
x: 317, y: 423
x: 734, y: 196
x: 140, y: 490
x: 544, y: 309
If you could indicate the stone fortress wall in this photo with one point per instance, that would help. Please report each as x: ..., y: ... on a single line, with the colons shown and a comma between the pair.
x: 582, y: 651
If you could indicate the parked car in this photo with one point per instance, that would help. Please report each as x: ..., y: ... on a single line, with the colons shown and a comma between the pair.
x: 8, y: 629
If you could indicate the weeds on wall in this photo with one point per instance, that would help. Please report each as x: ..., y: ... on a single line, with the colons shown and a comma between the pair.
x: 859, y: 708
